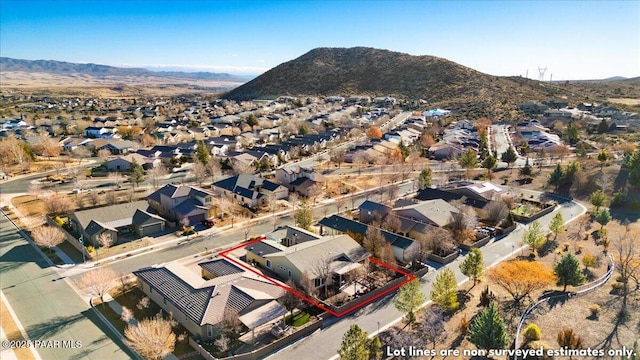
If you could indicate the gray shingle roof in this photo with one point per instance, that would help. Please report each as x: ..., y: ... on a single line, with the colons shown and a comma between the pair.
x: 110, y: 214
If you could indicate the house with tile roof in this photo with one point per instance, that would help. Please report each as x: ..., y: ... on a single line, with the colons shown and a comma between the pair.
x: 200, y: 294
x: 116, y: 220
x: 250, y: 190
x: 182, y: 203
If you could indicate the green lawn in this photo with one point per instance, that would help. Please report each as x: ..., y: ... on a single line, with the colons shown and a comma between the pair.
x: 298, y: 319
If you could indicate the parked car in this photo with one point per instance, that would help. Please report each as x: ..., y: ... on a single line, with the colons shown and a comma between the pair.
x: 208, y: 222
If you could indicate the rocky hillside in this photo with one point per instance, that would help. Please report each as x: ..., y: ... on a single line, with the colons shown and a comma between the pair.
x: 375, y: 72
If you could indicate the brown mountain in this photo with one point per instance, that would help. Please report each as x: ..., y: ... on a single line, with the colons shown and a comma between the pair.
x: 375, y: 72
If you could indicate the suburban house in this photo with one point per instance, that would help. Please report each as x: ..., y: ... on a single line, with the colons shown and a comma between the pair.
x: 116, y: 220
x: 448, y: 196
x: 200, y: 295
x: 250, y: 190
x: 300, y: 179
x: 340, y: 254
x: 402, y: 247
x: 482, y: 192
x: 98, y: 132
x: 183, y: 204
x: 120, y: 147
x: 15, y: 123
x: 443, y: 150
x: 433, y: 212
x: 124, y: 163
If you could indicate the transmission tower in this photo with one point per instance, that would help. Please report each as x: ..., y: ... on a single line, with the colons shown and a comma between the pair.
x: 541, y: 72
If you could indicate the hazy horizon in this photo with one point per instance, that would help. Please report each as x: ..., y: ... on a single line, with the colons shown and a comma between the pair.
x: 573, y: 40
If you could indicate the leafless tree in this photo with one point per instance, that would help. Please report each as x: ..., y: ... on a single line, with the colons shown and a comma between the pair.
x: 626, y: 253
x: 111, y: 198
x: 314, y: 191
x: 321, y: 268
x: 402, y: 339
x: 12, y: 152
x: 104, y: 154
x: 374, y: 241
x: 130, y: 194
x: 47, y: 236
x: 56, y: 204
x: 117, y: 178
x: 432, y: 326
x: 152, y: 338
x: 392, y: 223
x: 199, y: 172
x: 81, y: 153
x: 47, y: 146
x: 156, y: 174
x: 336, y: 156
x: 94, y: 198
x: 213, y: 169
x: 392, y: 191
x: 360, y: 161
x: 495, y: 211
x: 98, y: 281
x: 105, y: 239
x: 231, y: 321
x: 247, y: 228
x: 294, y: 198
x: 291, y: 301
x: 35, y: 189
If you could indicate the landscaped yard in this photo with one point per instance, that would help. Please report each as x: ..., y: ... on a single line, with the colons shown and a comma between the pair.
x: 610, y: 329
x: 131, y: 299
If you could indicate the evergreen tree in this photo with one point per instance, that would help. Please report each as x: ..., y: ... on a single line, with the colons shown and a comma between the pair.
x: 556, y: 177
x: 137, y: 173
x: 571, y: 133
x: 557, y: 225
x: 527, y: 170
x: 473, y: 265
x: 534, y: 237
x: 355, y: 345
x: 469, y: 160
x: 489, y: 163
x: 487, y: 331
x: 424, y: 180
x: 409, y: 298
x: 598, y: 199
x: 632, y: 162
x: 375, y: 348
x: 603, y: 127
x: 603, y: 217
x: 509, y: 156
x: 568, y: 271
x: 251, y: 120
x: 603, y: 157
x: 202, y: 153
x: 445, y: 290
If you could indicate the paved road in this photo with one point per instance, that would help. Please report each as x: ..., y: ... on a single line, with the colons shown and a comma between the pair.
x: 383, y: 314
x: 47, y: 306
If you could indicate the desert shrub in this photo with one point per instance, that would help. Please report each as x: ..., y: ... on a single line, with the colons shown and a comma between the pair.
x: 532, y: 333
x: 90, y: 249
x: 567, y: 246
x: 463, y: 325
x: 486, y: 297
x: 595, y: 310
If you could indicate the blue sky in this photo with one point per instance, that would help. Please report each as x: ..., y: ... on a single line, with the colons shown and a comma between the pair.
x: 574, y: 40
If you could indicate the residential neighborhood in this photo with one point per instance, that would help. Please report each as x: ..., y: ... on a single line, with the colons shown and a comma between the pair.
x: 353, y: 180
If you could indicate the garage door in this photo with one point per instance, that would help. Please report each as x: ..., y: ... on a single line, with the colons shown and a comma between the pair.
x: 196, y: 219
x: 150, y: 229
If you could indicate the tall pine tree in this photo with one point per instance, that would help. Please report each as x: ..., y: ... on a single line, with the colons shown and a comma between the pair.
x: 355, y: 344
x: 473, y: 265
x: 568, y: 271
x: 487, y: 331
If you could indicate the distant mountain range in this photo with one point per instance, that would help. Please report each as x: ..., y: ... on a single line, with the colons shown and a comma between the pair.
x: 67, y: 68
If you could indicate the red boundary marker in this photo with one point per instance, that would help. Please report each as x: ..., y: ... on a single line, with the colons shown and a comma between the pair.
x: 305, y: 298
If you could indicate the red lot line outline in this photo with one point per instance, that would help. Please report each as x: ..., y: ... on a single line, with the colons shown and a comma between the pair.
x: 305, y: 298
